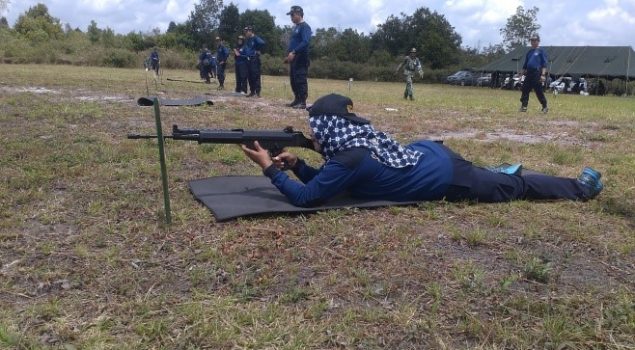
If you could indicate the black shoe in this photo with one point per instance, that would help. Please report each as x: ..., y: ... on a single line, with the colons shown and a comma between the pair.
x: 251, y: 94
x: 295, y: 102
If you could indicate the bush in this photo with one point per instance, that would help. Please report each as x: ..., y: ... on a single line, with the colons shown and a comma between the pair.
x: 171, y: 59
x: 119, y: 58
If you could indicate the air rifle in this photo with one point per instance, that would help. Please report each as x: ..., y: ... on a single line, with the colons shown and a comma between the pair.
x: 272, y: 140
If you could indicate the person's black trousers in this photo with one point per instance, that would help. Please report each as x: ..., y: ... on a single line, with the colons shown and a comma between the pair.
x: 298, y: 72
x: 253, y: 73
x: 221, y: 73
x: 532, y: 82
x: 241, y: 77
x: 474, y: 183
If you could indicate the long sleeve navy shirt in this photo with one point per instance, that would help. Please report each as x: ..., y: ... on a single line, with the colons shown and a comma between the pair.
x: 253, y: 46
x: 221, y: 54
x: 355, y: 171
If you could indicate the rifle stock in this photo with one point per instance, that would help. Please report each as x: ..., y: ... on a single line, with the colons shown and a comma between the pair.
x: 272, y: 140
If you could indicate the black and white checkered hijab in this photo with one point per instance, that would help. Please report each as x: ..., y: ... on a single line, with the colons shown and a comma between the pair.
x: 336, y: 133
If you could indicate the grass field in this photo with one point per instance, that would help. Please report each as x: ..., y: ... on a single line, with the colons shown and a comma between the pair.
x: 86, y: 263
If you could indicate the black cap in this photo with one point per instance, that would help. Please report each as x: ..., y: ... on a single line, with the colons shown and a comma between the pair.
x: 249, y: 28
x: 338, y: 105
x: 296, y: 9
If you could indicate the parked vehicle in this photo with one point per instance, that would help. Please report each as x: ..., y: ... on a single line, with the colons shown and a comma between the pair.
x: 569, y: 84
x: 462, y: 77
x: 484, y: 80
x: 513, y: 83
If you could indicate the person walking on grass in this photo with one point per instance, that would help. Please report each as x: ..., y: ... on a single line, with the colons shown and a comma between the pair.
x: 369, y: 164
x: 222, y: 53
x: 535, y: 72
x: 155, y: 61
x: 298, y: 58
x: 411, y: 65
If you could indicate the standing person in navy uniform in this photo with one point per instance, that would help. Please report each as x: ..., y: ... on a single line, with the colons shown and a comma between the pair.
x: 298, y: 57
x: 155, y: 61
x: 240, y: 61
x: 221, y: 62
x: 535, y: 72
x: 253, y: 45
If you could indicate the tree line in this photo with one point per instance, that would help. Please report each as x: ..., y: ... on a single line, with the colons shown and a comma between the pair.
x: 39, y: 37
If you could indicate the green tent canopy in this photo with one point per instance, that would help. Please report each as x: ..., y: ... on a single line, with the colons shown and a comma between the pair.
x: 602, y: 61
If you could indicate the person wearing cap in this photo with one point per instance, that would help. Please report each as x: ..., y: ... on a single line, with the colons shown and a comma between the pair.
x: 298, y: 57
x: 252, y: 47
x: 369, y: 164
x: 410, y: 64
x: 240, y: 65
x: 535, y: 72
x: 222, y: 53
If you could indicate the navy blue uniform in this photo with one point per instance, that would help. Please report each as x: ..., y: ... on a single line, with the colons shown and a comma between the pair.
x: 240, y: 60
x: 299, y: 67
x: 154, y: 61
x: 222, y: 53
x: 535, y: 61
x: 439, y: 173
x: 252, y: 47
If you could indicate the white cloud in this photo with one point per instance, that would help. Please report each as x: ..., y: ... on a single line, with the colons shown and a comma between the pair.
x: 613, y: 11
x: 565, y: 22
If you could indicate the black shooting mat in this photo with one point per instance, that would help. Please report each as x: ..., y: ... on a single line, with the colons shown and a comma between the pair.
x: 195, y: 101
x: 230, y: 197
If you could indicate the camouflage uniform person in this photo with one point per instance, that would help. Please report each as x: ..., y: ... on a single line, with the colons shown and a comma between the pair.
x: 411, y: 65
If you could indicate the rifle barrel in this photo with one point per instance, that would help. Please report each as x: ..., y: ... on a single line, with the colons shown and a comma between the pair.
x: 138, y: 136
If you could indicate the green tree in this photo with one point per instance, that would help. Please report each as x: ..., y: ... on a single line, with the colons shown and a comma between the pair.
x: 391, y: 35
x: 519, y: 27
x: 429, y: 32
x: 264, y: 27
x: 94, y: 33
x: 352, y: 46
x: 322, y: 43
x: 171, y: 27
x: 108, y: 37
x: 38, y: 25
x: 203, y: 20
x: 4, y: 23
x: 134, y: 41
x: 229, y: 23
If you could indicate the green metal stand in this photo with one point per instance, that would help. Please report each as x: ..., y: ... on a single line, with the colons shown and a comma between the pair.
x: 164, y: 171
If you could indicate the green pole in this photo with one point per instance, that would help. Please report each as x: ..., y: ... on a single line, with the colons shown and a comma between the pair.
x: 164, y: 172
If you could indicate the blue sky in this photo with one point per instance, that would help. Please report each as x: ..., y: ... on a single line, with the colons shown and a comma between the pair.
x: 564, y: 22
